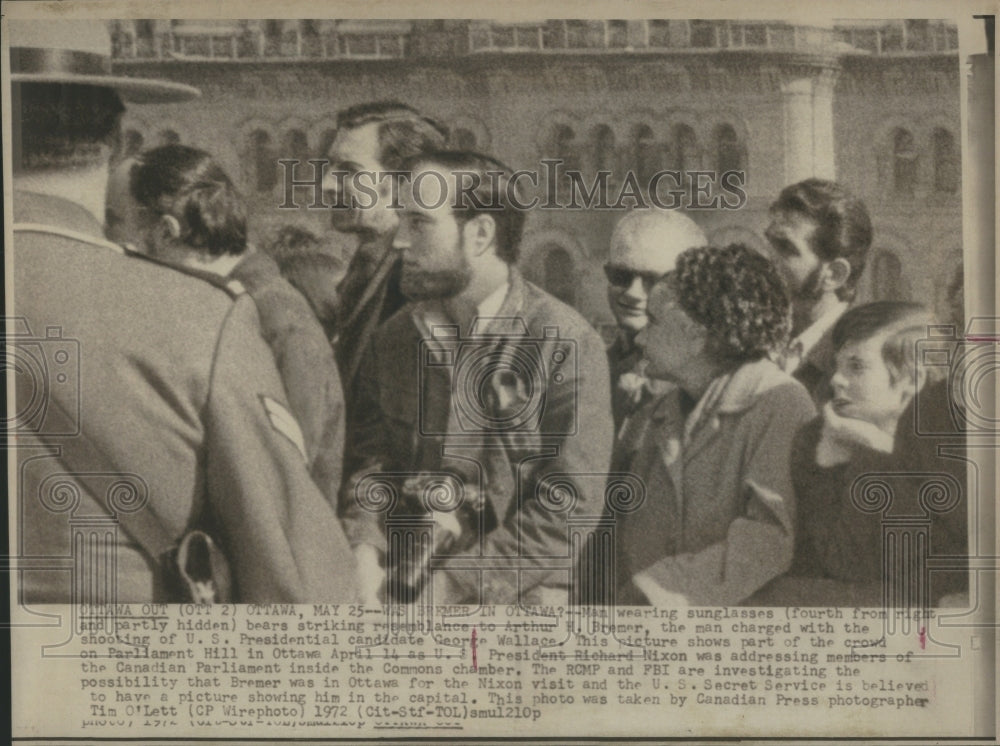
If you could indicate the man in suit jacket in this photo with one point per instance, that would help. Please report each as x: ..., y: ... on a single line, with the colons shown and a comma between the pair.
x: 372, y: 138
x: 487, y: 379
x: 820, y: 235
x: 153, y: 404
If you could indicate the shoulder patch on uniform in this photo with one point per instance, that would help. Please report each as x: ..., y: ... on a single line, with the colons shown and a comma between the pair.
x: 284, y: 422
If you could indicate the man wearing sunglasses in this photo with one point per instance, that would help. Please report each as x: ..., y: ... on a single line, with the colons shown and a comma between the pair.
x: 644, y: 246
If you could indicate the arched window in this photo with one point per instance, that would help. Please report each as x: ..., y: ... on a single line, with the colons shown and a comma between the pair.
x: 946, y: 164
x: 559, y: 276
x: 463, y: 139
x: 326, y: 142
x: 904, y: 162
x: 296, y: 145
x: 133, y: 143
x: 728, y: 150
x: 169, y: 137
x: 261, y: 172
x: 563, y: 146
x: 887, y: 277
x: 685, y: 150
x: 643, y: 156
x: 602, y: 148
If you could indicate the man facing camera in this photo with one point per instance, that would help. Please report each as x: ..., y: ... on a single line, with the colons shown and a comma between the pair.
x: 484, y: 387
x: 819, y: 235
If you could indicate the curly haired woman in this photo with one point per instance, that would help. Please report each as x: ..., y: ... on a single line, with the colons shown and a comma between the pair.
x: 714, y: 454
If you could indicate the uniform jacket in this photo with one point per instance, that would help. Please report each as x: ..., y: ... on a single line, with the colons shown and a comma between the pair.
x: 305, y: 361
x: 412, y: 411
x: 154, y: 401
x: 718, y: 519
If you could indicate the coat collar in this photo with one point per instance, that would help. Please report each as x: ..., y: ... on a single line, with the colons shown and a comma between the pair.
x: 730, y: 393
x: 45, y: 209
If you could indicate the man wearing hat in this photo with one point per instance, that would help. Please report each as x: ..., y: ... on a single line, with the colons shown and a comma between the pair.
x: 148, y: 405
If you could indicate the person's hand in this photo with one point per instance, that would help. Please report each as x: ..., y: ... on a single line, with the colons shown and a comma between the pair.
x: 842, y: 435
x: 371, y: 575
x: 657, y: 594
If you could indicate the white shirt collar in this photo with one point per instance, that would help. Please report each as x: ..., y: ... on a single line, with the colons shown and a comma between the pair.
x: 490, y: 305
x: 803, y: 344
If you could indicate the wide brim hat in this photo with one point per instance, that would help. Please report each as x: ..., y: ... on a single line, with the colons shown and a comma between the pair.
x: 78, y: 51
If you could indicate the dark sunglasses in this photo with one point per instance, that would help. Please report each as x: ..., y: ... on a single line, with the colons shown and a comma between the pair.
x: 623, y: 278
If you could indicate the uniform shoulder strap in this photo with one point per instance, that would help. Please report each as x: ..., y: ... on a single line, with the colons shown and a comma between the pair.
x: 233, y: 287
x: 56, y: 230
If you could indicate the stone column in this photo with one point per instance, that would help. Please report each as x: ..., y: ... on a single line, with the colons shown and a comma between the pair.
x: 807, y: 108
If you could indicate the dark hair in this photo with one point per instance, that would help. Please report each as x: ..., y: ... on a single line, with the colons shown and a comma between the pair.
x: 63, y: 125
x: 738, y: 296
x: 402, y: 133
x: 187, y: 183
x: 291, y: 240
x: 903, y: 323
x: 844, y: 228
x: 489, y: 193
x: 298, y: 251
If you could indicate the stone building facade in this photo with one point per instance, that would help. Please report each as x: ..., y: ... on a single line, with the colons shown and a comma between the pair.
x: 872, y: 104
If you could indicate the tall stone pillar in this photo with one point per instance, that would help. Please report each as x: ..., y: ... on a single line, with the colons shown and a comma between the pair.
x: 807, y: 109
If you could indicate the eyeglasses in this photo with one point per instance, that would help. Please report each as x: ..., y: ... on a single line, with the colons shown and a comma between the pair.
x: 623, y: 278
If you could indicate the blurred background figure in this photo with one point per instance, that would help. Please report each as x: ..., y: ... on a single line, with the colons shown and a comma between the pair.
x: 714, y: 452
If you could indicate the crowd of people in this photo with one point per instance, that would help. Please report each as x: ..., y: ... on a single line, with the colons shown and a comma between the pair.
x: 426, y: 424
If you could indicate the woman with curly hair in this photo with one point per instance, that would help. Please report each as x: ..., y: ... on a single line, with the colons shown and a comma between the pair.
x: 714, y: 453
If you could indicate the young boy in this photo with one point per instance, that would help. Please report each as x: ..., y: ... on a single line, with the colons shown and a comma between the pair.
x: 860, y: 481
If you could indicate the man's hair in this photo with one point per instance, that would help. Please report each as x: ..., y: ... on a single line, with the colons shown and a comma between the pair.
x: 902, y: 323
x: 483, y: 188
x: 188, y: 184
x: 298, y: 251
x: 61, y: 126
x: 291, y: 240
x: 844, y: 228
x: 403, y: 131
x: 738, y: 296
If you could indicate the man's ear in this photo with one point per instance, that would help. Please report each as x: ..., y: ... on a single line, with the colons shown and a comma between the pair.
x: 835, y: 274
x: 480, y: 233
x: 170, y: 226
x: 163, y: 234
